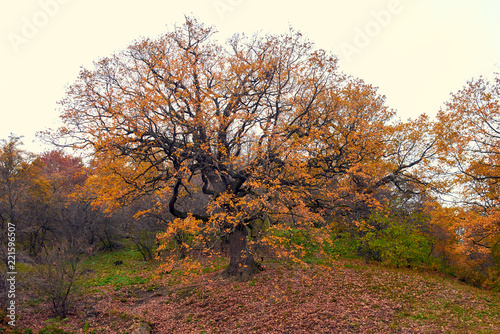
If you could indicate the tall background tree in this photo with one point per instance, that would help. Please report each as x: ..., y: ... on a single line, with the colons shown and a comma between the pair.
x: 470, y: 150
x: 13, y: 163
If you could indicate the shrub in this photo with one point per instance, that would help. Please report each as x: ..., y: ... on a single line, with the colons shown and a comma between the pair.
x: 56, y: 275
x: 395, y: 243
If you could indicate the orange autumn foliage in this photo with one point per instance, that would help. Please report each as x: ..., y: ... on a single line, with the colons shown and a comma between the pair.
x: 258, y: 128
x: 469, y: 131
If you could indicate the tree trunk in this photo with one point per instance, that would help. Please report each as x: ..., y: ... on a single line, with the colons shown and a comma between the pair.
x: 242, y: 266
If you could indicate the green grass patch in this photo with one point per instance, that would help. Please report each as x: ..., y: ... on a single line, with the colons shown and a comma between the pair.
x: 118, y: 269
x: 342, y: 245
x: 215, y: 264
x: 121, y: 280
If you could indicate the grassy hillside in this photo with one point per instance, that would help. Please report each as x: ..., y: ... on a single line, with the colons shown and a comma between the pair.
x: 348, y: 296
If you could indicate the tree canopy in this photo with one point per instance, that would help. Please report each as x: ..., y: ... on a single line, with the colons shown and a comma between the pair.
x: 470, y: 150
x: 257, y: 127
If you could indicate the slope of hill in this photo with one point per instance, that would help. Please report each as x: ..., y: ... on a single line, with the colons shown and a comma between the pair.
x: 348, y: 297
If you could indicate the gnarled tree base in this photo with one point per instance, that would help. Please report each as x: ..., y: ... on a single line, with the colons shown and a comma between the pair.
x: 242, y: 266
x: 244, y: 272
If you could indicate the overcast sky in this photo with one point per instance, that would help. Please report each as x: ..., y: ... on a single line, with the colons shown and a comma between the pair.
x: 415, y: 51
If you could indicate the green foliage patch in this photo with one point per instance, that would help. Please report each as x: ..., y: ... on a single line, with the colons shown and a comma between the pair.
x: 118, y: 269
x: 395, y: 243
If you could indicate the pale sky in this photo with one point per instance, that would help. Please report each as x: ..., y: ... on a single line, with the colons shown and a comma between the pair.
x: 416, y: 51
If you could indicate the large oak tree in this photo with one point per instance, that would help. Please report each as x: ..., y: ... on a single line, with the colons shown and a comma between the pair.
x: 265, y: 125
